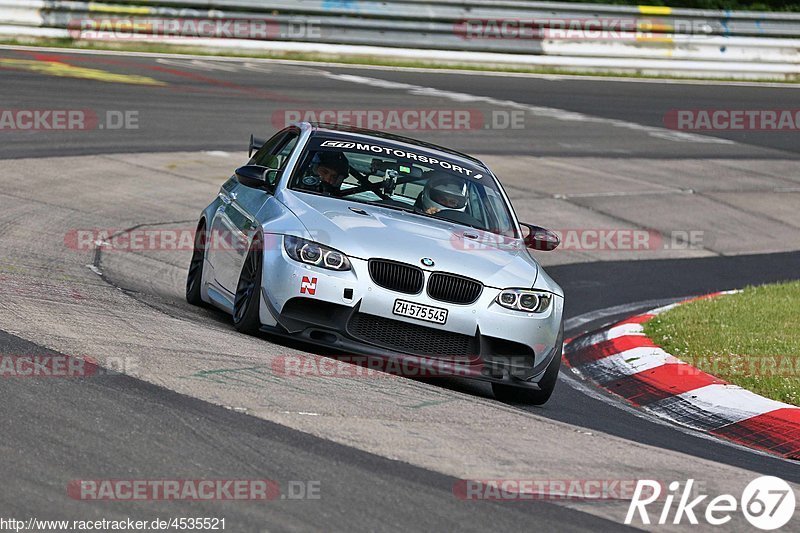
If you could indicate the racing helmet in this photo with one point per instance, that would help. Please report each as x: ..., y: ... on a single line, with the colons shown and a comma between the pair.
x: 444, y: 191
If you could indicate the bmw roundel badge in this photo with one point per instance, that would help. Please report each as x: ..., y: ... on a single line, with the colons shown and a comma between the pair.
x: 427, y: 261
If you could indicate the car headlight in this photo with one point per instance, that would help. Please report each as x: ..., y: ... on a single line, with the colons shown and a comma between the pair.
x: 313, y: 253
x: 525, y: 300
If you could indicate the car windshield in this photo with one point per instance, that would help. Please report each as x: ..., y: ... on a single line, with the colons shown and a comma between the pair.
x: 395, y: 177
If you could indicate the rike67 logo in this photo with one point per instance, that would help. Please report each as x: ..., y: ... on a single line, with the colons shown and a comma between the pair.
x: 767, y: 503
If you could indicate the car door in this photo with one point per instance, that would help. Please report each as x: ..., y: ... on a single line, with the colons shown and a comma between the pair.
x: 235, y: 221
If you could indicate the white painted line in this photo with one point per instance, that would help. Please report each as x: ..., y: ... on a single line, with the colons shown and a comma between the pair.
x: 685, y: 66
x: 660, y: 310
x: 199, y: 64
x: 384, y: 68
x: 701, y: 67
x: 585, y: 318
x: 539, y: 111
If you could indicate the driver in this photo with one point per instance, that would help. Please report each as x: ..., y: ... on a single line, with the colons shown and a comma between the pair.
x: 332, y: 168
x: 443, y: 191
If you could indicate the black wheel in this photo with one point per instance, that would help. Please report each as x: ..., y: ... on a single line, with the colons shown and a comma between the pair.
x: 194, y: 279
x: 246, y: 301
x: 512, y: 394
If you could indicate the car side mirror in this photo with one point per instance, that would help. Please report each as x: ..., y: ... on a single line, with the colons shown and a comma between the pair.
x: 541, y: 239
x: 257, y: 177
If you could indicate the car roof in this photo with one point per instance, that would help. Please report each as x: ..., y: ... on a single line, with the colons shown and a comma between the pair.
x: 343, y: 128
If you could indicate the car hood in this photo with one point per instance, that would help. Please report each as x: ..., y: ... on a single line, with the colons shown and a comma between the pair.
x: 366, y: 231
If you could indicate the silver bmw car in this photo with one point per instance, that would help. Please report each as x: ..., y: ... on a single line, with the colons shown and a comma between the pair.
x: 385, y: 247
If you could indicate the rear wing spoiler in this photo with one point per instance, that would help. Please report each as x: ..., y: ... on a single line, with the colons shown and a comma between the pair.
x: 255, y: 145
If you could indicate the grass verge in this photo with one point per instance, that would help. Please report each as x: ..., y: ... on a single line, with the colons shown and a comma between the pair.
x: 751, y: 339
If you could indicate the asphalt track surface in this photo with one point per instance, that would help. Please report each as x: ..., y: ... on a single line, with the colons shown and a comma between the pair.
x: 84, y: 426
x: 213, y: 106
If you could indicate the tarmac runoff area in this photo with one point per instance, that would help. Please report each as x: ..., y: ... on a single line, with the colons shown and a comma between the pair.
x: 53, y: 296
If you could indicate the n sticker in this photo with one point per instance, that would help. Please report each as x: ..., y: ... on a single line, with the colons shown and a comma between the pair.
x: 308, y: 285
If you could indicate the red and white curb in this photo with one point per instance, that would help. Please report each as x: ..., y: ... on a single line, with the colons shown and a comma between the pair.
x: 622, y: 360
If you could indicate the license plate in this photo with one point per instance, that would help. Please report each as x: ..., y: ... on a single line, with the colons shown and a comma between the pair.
x: 420, y: 312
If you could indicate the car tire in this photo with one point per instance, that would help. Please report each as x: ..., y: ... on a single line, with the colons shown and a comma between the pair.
x: 194, y: 279
x: 523, y: 395
x: 248, y: 292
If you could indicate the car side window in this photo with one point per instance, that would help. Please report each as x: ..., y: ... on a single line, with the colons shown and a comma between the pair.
x: 276, y: 151
x: 286, y: 151
x: 475, y: 206
x: 269, y: 148
x: 495, y: 203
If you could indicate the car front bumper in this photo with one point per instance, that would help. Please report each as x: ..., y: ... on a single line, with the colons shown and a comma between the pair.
x: 350, y: 314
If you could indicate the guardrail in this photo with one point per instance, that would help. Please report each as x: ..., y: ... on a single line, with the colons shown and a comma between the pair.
x: 585, y: 36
